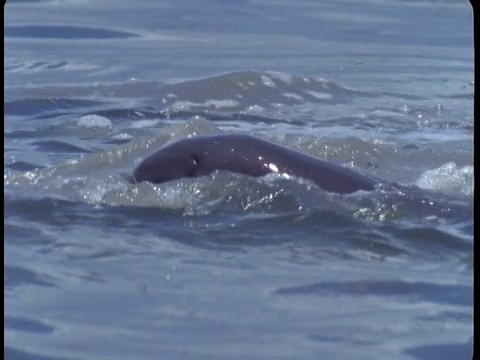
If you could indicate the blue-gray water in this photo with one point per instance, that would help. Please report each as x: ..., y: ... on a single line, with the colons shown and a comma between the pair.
x: 227, y: 266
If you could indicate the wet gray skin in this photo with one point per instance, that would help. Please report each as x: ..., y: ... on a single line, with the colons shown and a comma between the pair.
x: 248, y: 155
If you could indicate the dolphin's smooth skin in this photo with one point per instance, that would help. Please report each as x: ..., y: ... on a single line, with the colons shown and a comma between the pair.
x: 248, y: 155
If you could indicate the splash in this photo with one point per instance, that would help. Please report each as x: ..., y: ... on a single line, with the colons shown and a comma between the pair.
x: 448, y: 179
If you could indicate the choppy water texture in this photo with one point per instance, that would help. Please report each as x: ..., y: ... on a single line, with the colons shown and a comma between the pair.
x: 227, y: 266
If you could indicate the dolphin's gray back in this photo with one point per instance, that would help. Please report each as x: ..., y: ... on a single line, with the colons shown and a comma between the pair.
x: 253, y: 156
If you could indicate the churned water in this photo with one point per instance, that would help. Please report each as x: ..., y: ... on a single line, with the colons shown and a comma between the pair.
x: 227, y: 266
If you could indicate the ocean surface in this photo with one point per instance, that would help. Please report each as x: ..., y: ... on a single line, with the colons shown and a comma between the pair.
x: 227, y: 266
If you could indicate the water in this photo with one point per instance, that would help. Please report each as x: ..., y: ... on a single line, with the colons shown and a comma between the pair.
x: 228, y: 266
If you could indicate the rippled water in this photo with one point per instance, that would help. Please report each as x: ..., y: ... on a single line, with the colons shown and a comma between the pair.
x: 227, y: 266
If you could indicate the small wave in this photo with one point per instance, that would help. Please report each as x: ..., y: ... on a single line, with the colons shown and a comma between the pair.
x: 261, y: 88
x: 450, y: 294
x: 65, y: 32
x: 59, y: 146
x: 37, y: 106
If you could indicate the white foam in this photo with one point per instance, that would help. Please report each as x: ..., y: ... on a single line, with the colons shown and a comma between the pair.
x: 227, y: 103
x: 320, y: 95
x: 268, y: 82
x: 217, y: 104
x: 292, y: 96
x: 94, y: 121
x: 448, y: 178
x: 285, y: 78
x: 139, y: 124
x: 123, y: 136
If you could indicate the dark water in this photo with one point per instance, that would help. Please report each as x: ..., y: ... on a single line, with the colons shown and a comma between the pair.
x: 227, y: 266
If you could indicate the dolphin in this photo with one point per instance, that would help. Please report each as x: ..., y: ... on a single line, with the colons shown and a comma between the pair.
x: 249, y: 155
